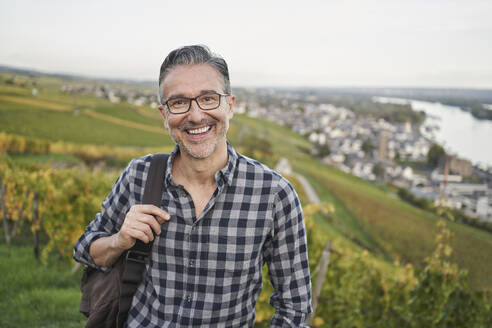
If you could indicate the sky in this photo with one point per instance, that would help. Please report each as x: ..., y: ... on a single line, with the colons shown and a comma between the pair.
x: 431, y: 43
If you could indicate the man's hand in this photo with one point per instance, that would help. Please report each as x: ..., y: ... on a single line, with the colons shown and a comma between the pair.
x: 141, y: 222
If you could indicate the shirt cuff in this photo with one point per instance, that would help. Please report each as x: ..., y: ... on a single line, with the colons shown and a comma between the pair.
x: 284, y: 318
x: 82, y: 249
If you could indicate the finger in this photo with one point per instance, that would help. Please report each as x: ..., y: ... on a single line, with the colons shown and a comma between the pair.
x: 143, y: 227
x: 151, y: 221
x: 138, y: 234
x: 159, y: 213
x: 146, y: 219
x: 131, y: 231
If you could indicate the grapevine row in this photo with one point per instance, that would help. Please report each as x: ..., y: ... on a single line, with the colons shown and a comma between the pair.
x: 359, y: 290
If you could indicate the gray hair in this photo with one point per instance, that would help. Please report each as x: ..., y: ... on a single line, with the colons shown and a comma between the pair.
x: 195, y: 54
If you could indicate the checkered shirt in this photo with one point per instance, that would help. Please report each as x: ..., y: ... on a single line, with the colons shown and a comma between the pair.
x: 207, y: 271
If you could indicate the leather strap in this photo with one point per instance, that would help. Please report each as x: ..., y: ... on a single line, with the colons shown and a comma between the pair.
x: 136, y: 257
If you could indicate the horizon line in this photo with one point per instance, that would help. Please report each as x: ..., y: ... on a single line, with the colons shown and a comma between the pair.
x: 27, y: 70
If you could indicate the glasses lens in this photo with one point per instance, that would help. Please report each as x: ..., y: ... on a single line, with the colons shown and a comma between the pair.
x: 178, y: 104
x: 209, y: 101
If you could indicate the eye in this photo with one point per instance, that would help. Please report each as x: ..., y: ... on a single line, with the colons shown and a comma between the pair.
x: 178, y: 102
x: 209, y: 98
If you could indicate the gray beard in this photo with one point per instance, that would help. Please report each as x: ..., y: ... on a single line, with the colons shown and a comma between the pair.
x: 182, y: 146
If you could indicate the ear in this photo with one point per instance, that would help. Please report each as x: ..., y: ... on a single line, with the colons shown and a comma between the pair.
x: 164, y: 114
x: 231, y: 103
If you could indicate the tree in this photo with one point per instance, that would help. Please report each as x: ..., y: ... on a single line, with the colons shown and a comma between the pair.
x: 324, y: 150
x: 367, y: 147
x: 397, y: 156
x: 378, y: 170
x: 434, y: 154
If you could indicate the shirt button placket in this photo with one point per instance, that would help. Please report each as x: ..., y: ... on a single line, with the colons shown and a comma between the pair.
x: 191, y: 262
x: 191, y: 265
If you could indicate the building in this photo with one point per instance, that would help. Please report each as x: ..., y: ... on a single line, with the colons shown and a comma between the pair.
x: 383, y: 147
x: 457, y: 166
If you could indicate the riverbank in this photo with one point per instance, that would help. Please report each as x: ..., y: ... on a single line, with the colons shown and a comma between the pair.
x: 458, y: 131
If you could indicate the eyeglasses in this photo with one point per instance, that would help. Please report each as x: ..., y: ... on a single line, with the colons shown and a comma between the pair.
x: 207, y: 101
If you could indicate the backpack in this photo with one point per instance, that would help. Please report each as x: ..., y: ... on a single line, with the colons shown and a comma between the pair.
x: 107, y: 296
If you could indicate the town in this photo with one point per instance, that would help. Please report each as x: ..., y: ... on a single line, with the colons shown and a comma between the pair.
x: 372, y: 149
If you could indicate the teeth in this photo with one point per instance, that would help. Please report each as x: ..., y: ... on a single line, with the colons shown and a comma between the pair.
x: 200, y: 130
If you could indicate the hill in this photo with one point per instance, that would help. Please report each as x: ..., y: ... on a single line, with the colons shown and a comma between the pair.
x: 374, y: 218
x: 365, y: 215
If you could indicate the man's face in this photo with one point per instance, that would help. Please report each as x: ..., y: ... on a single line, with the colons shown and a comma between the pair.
x: 197, y: 132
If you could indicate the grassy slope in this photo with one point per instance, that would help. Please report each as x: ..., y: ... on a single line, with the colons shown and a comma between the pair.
x: 377, y: 220
x: 363, y: 213
x: 50, y: 116
x: 402, y: 230
x: 35, y: 295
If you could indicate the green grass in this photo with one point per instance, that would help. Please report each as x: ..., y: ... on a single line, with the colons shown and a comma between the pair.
x: 14, y: 91
x: 344, y: 220
x: 32, y: 117
x: 130, y: 113
x: 399, y: 229
x: 285, y: 142
x: 365, y: 214
x: 371, y: 216
x: 56, y: 126
x: 34, y: 295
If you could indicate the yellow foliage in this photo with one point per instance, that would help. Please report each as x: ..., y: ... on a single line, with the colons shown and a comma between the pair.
x: 36, y: 103
x: 318, y: 321
x: 325, y: 208
x: 11, y: 144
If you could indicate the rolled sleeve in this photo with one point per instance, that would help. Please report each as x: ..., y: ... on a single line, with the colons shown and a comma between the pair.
x: 287, y: 261
x: 82, y: 246
x: 108, y: 221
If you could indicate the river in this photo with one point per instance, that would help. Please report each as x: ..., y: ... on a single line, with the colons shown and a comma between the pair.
x: 458, y: 131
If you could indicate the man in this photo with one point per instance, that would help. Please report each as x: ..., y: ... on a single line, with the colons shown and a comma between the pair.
x: 222, y: 216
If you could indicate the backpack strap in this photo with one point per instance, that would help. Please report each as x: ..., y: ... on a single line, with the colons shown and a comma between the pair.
x: 136, y: 256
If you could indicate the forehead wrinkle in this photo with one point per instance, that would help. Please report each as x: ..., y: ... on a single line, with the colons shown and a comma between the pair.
x: 184, y: 78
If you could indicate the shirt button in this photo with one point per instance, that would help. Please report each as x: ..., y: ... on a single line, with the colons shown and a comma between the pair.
x: 188, y: 298
x: 192, y: 263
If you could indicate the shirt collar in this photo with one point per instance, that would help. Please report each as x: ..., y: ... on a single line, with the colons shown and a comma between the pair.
x: 226, y: 173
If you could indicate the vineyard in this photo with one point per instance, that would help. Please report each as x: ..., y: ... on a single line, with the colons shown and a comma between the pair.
x: 360, y: 290
x: 390, y: 264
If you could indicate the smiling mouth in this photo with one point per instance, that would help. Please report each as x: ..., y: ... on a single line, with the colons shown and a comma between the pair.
x: 199, y: 130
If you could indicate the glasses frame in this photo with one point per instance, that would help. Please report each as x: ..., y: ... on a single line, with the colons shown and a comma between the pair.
x: 196, y: 100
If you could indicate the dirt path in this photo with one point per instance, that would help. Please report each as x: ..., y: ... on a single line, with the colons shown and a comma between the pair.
x: 283, y: 166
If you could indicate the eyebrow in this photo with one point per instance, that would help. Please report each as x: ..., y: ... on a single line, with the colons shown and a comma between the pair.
x: 180, y: 95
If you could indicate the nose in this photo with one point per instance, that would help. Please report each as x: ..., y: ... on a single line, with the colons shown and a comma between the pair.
x: 195, y: 113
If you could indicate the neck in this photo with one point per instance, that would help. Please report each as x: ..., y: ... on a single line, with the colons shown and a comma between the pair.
x: 199, y: 171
